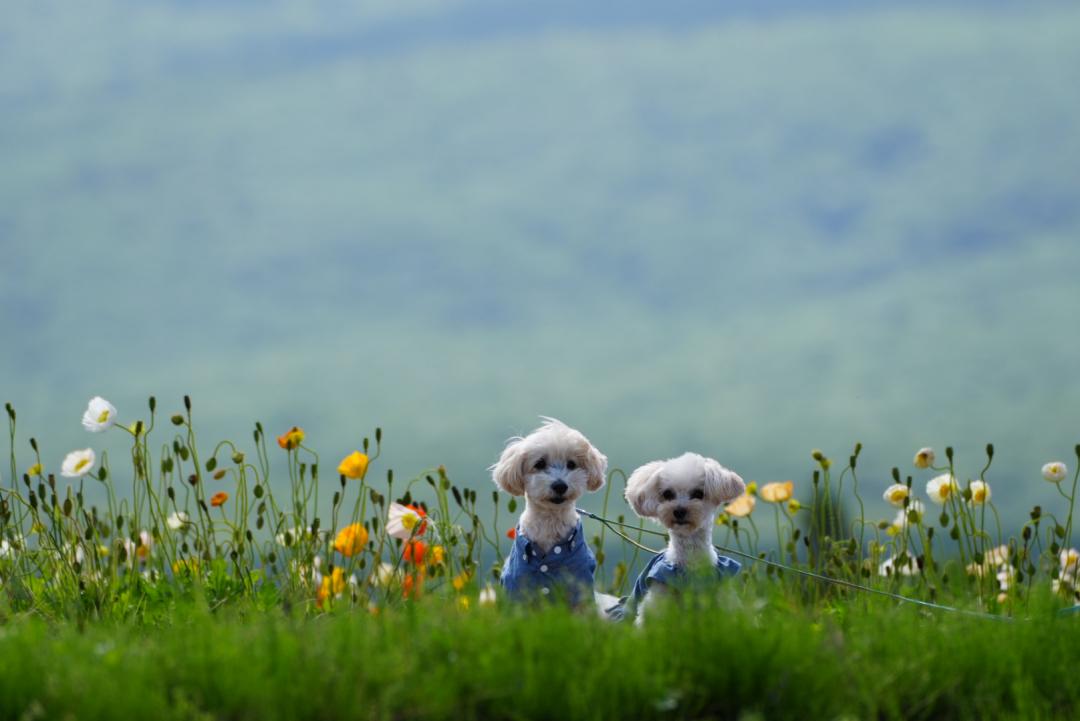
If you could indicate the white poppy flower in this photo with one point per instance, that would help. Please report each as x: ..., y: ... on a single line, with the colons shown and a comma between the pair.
x: 1005, y: 575
x: 298, y: 534
x: 980, y: 492
x: 99, y: 415
x: 997, y: 556
x: 903, y: 516
x: 1069, y: 559
x: 896, y: 493
x: 177, y: 520
x: 78, y: 463
x: 924, y: 458
x: 384, y: 575
x: 1055, y: 472
x: 402, y: 521
x: 487, y: 596
x: 940, y: 488
x: 890, y: 567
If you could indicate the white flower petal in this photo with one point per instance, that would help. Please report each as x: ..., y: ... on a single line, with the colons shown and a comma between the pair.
x: 896, y: 493
x: 78, y: 463
x: 940, y: 488
x: 1055, y: 471
x: 99, y: 415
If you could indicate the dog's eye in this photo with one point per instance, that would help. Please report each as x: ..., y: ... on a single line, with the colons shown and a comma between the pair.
x: 570, y: 465
x: 668, y: 495
x: 540, y: 464
x: 698, y: 493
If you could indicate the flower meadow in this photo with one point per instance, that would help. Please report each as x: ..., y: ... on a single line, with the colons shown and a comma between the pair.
x: 183, y: 518
x: 228, y: 580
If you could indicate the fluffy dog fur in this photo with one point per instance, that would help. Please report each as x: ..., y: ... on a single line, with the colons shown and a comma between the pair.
x: 535, y: 465
x: 684, y: 494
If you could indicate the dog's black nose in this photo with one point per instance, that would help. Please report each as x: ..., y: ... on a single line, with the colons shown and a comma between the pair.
x: 680, y: 513
x: 559, y: 487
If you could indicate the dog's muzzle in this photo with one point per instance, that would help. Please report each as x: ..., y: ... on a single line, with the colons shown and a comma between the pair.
x: 560, y: 488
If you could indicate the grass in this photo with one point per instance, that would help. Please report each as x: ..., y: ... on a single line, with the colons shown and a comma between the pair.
x: 747, y: 654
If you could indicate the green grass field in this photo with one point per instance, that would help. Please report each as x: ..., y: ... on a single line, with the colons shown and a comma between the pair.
x: 744, y: 655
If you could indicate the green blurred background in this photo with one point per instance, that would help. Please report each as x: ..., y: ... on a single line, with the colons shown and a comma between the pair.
x: 744, y: 228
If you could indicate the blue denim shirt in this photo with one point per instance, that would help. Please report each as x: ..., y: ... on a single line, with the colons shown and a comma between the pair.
x: 660, y: 571
x: 565, y: 571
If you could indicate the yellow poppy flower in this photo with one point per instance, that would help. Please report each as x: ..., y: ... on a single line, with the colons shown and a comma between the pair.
x: 354, y: 465
x: 351, y: 540
x: 777, y: 492
x: 741, y: 506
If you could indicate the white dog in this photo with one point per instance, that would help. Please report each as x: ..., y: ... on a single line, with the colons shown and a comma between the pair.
x: 684, y: 494
x: 552, y: 467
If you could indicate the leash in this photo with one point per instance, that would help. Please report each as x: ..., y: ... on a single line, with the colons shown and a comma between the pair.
x: 809, y: 574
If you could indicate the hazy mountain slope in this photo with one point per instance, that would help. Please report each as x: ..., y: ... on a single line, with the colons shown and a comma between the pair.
x: 745, y: 235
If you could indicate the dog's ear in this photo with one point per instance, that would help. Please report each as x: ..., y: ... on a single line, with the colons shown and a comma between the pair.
x: 595, y: 469
x: 641, y: 491
x: 509, y: 472
x: 722, y: 485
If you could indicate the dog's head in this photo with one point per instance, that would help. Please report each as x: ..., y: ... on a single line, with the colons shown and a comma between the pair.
x: 682, y: 493
x: 551, y: 466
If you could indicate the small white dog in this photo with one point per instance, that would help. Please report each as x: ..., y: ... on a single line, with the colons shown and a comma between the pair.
x: 684, y: 494
x: 552, y: 467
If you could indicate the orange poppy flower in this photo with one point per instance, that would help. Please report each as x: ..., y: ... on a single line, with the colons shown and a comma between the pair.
x: 219, y: 498
x: 511, y: 534
x: 291, y: 438
x: 411, y: 585
x: 414, y: 552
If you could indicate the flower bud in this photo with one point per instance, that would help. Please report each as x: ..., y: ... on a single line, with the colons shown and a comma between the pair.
x: 177, y: 420
x: 990, y: 450
x: 153, y: 404
x: 238, y: 458
x: 219, y: 474
x: 187, y: 403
